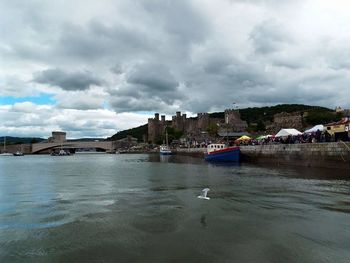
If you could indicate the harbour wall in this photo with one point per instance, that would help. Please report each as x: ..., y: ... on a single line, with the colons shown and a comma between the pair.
x: 324, y: 155
x: 197, y: 152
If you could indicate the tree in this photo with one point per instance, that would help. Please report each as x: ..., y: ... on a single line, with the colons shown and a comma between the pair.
x: 212, y: 129
x: 260, y: 126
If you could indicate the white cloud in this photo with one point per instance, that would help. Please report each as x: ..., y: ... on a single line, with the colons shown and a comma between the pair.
x: 193, y: 56
x: 28, y: 119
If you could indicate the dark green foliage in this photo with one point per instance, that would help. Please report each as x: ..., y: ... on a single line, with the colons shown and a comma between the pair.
x: 18, y: 140
x: 260, y: 126
x: 212, y: 129
x: 137, y: 132
x: 264, y: 114
x: 86, y: 139
x: 315, y: 117
x: 219, y: 115
x: 173, y: 134
x: 159, y: 141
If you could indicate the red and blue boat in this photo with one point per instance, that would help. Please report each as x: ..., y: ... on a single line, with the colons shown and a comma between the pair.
x: 217, y: 152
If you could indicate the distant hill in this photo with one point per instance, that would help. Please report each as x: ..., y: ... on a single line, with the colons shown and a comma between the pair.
x: 315, y: 115
x: 137, y: 132
x: 18, y: 140
x: 86, y: 139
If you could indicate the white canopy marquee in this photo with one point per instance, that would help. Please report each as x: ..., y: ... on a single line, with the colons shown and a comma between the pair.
x: 287, y: 132
x: 319, y: 127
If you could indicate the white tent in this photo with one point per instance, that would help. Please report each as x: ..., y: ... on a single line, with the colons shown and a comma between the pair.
x: 319, y: 127
x: 287, y: 132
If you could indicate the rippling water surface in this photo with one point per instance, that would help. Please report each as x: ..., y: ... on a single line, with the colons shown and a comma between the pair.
x: 143, y: 208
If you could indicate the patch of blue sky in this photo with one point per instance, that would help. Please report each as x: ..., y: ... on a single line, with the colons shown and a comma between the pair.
x: 42, y: 99
x: 105, y: 105
x: 146, y: 112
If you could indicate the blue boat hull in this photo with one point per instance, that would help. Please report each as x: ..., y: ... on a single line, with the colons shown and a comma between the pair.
x: 226, y: 155
x: 166, y: 153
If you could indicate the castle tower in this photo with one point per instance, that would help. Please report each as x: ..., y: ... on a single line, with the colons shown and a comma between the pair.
x: 233, y: 118
x: 153, y: 128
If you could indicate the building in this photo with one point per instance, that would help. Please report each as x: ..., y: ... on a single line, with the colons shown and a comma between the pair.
x: 344, y: 112
x: 340, y: 130
x: 234, y: 121
x: 58, y: 136
x: 156, y: 127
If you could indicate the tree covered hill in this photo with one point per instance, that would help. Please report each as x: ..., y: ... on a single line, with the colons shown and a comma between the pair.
x: 315, y: 114
x: 254, y: 115
x: 18, y: 140
x: 137, y: 132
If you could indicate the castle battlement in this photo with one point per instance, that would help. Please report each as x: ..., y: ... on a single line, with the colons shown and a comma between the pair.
x: 191, y: 126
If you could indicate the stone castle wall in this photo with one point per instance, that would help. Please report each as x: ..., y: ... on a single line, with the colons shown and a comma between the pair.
x: 233, y: 118
x: 192, y: 126
x: 286, y: 120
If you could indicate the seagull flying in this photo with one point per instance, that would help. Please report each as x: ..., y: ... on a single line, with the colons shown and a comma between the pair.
x: 204, y: 194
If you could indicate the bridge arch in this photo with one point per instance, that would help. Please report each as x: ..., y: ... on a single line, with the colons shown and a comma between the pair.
x: 108, y: 146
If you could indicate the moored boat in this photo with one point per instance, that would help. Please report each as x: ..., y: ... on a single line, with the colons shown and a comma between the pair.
x: 18, y: 153
x: 218, y: 152
x: 165, y: 150
x: 5, y: 153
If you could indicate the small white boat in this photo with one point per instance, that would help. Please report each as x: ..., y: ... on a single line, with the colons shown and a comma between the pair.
x: 63, y: 152
x: 18, y: 153
x: 165, y: 149
x: 4, y: 153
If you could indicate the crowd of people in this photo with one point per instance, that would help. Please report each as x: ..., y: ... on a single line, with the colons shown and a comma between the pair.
x: 311, y: 137
x: 314, y: 137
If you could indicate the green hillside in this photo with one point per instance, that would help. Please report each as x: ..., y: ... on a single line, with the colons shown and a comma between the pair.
x: 18, y: 140
x: 254, y: 115
x: 137, y: 132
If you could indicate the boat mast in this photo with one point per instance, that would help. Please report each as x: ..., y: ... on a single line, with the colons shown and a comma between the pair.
x: 4, y: 144
x: 166, y: 136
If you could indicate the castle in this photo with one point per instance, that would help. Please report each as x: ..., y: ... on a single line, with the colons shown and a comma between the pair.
x: 194, y: 127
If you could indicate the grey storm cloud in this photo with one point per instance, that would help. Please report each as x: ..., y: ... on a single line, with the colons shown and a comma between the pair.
x: 67, y: 80
x: 161, y: 55
x: 148, y: 86
x: 98, y: 41
x: 269, y: 36
x: 156, y: 78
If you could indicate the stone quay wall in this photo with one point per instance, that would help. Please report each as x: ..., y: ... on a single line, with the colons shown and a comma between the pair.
x: 325, y: 155
x: 322, y: 155
x: 197, y: 152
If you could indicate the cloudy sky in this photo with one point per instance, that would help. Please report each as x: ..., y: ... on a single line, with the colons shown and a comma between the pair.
x: 91, y: 68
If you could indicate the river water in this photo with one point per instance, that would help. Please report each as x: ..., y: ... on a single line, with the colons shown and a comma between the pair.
x: 144, y: 208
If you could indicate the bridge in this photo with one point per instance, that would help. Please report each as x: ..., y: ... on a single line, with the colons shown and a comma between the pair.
x: 108, y: 146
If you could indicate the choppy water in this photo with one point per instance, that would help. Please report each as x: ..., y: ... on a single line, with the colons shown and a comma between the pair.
x: 140, y: 208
